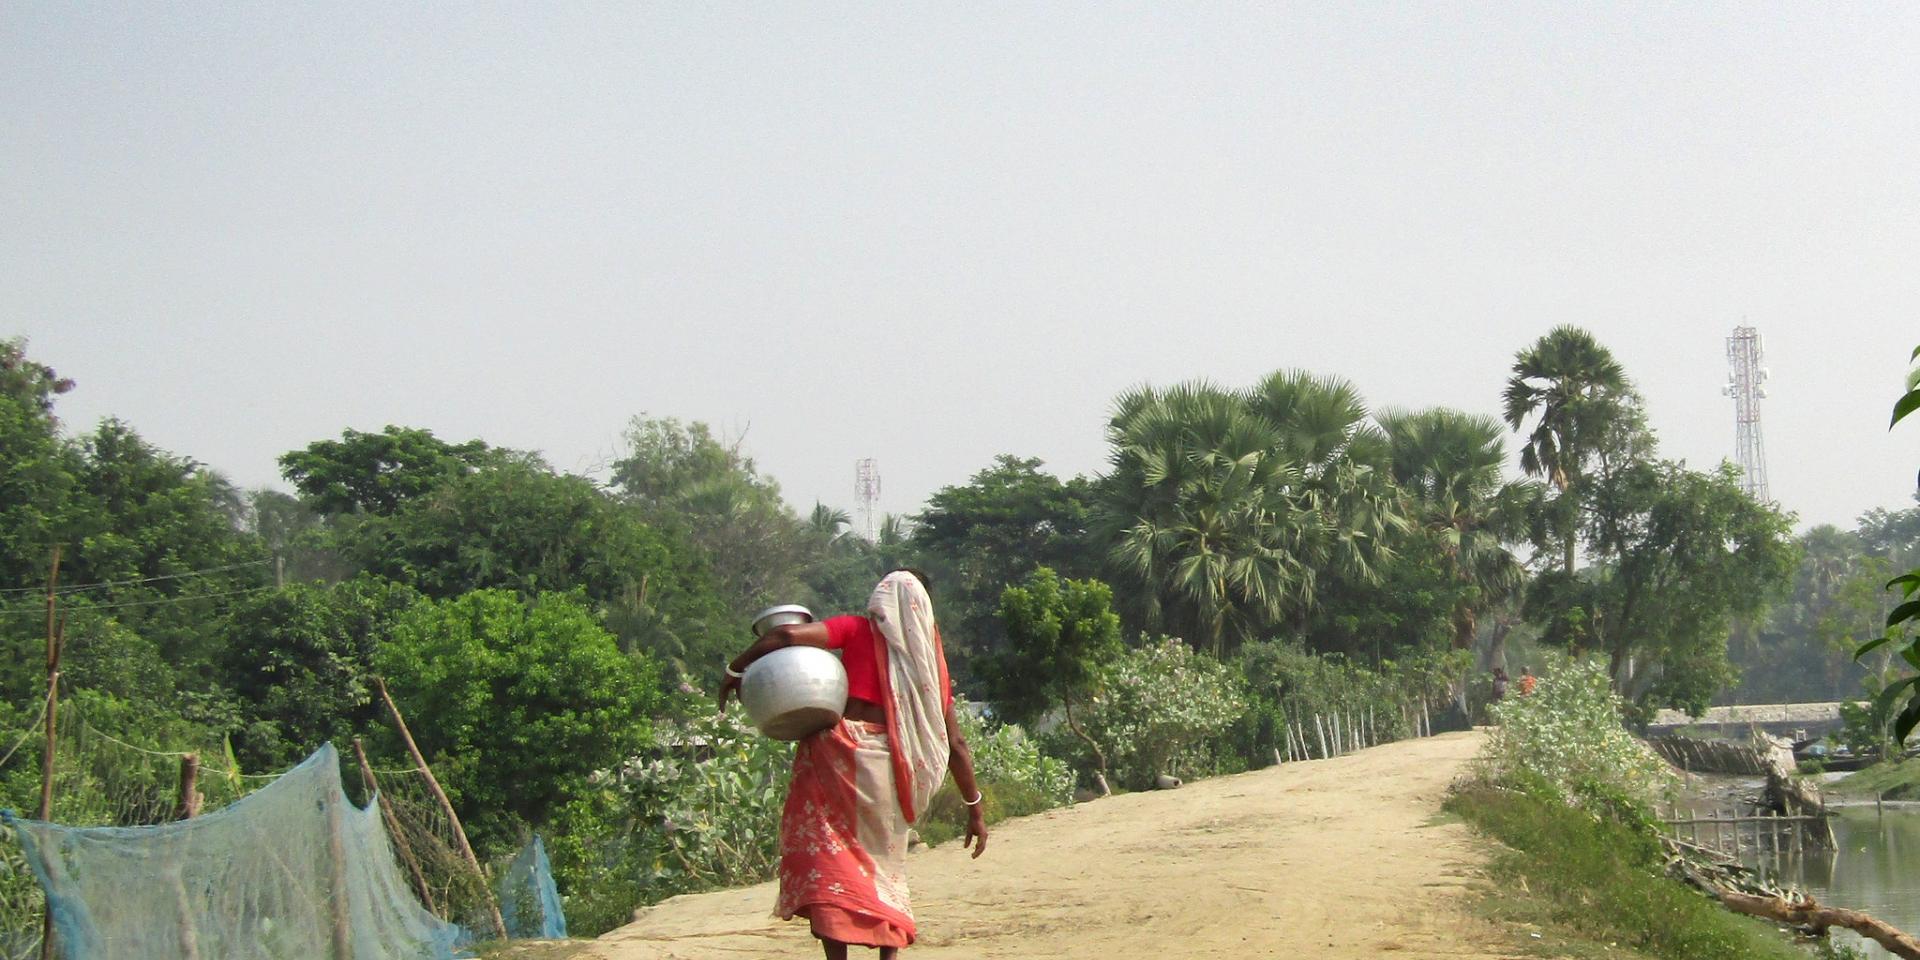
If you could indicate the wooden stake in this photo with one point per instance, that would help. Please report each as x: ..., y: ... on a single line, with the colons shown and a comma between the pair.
x: 400, y: 844
x: 1321, y: 728
x: 446, y: 806
x: 186, y: 807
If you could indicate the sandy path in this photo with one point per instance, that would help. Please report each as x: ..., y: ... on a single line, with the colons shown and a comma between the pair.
x: 1328, y: 859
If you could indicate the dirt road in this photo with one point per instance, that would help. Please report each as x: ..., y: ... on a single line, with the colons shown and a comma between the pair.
x: 1328, y: 859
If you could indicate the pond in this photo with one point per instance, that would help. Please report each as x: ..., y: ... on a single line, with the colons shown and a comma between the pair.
x: 1875, y: 868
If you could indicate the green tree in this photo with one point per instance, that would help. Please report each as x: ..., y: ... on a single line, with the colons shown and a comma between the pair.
x: 517, y: 525
x: 978, y: 538
x: 29, y: 381
x: 297, y: 661
x: 1451, y: 464
x: 516, y: 701
x: 378, y: 472
x: 1891, y: 534
x: 38, y: 485
x: 163, y: 534
x: 304, y: 544
x: 1685, y: 552
x: 1061, y: 634
x: 1802, y: 651
x: 1574, y: 391
x: 681, y: 477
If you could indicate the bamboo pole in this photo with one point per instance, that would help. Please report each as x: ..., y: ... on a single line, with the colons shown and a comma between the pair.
x: 1321, y: 730
x: 446, y: 806
x: 53, y: 688
x: 53, y: 713
x: 337, y: 879
x: 400, y: 844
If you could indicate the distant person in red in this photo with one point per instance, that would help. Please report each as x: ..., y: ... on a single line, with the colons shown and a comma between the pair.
x: 857, y: 786
x: 1527, y: 681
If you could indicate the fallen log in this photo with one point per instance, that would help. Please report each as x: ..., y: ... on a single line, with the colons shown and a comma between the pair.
x: 1810, y: 914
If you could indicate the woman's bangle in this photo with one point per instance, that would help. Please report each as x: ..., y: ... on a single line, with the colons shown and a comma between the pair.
x: 977, y: 797
x: 731, y: 672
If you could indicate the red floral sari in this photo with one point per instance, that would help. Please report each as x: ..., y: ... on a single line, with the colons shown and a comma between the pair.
x: 857, y: 786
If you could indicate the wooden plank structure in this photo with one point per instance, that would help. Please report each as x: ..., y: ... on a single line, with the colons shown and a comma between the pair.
x: 1766, y: 833
x: 1711, y: 756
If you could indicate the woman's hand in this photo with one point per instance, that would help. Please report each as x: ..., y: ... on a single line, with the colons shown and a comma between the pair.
x: 976, y: 832
x: 728, y: 687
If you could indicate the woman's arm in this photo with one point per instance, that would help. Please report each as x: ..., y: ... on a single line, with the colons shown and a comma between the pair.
x: 786, y: 635
x: 960, y: 763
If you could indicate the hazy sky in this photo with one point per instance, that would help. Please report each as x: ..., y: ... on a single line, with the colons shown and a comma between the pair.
x: 929, y: 237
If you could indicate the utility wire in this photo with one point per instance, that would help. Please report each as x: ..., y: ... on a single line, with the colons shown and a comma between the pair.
x: 32, y: 729
x: 83, y: 587
x: 155, y: 602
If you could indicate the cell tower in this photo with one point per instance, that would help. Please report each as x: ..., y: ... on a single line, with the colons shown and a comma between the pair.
x: 1747, y: 385
x: 866, y: 489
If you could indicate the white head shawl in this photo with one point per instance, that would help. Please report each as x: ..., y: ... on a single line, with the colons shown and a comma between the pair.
x: 914, y: 670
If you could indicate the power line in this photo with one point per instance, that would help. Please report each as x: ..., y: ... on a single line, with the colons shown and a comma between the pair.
x: 159, y: 601
x: 83, y: 587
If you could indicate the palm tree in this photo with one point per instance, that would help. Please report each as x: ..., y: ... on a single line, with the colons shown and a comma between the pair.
x: 1577, y: 391
x: 1451, y: 464
x: 1191, y: 512
x: 1222, y: 506
x: 826, y: 523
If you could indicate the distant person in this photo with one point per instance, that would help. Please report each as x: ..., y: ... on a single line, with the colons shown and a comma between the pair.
x: 858, y: 785
x: 1499, y: 684
x: 1527, y: 681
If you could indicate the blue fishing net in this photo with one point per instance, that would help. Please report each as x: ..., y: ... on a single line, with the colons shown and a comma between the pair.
x: 293, y: 870
x: 529, y: 901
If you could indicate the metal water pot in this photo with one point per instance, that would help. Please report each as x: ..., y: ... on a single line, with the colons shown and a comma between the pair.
x: 793, y: 692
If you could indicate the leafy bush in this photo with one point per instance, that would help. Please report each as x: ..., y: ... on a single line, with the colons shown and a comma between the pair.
x: 1568, y: 734
x: 1003, y: 755
x: 1162, y: 709
x: 698, y: 809
x: 946, y: 816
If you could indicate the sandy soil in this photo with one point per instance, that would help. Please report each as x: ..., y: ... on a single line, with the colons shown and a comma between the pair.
x: 1340, y: 858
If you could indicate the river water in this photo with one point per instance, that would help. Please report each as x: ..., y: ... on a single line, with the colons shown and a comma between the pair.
x: 1875, y: 868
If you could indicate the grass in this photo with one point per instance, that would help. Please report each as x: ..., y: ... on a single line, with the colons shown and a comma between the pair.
x: 1594, y: 888
x: 1892, y: 780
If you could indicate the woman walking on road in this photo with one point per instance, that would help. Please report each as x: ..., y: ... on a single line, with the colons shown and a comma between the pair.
x: 858, y: 785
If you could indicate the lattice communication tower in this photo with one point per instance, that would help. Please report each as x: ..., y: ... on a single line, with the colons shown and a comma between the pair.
x: 866, y: 489
x: 1747, y: 385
